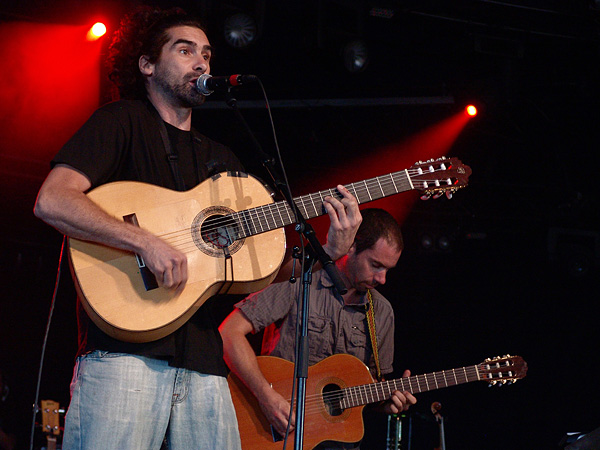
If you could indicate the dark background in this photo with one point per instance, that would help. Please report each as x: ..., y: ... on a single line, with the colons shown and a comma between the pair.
x: 520, y: 274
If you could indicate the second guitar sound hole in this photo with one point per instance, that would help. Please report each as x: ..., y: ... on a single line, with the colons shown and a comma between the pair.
x: 332, y: 398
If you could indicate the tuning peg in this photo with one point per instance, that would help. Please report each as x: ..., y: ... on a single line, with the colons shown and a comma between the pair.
x: 449, y: 195
x: 425, y: 197
x: 437, y: 195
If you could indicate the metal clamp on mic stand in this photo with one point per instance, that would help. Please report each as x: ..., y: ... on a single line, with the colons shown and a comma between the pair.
x: 436, y: 407
x: 315, y: 253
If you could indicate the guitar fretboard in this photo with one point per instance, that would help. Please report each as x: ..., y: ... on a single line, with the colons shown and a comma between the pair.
x: 277, y: 215
x: 376, y: 392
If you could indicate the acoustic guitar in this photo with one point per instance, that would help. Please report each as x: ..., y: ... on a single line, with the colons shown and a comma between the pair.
x: 338, y: 388
x: 231, y: 231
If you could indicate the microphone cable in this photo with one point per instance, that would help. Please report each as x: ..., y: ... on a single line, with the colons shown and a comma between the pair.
x: 45, y: 342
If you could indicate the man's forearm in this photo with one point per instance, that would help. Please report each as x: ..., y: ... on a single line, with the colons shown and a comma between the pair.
x: 75, y: 215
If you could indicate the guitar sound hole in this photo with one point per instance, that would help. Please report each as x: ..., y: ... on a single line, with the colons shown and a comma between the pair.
x: 216, y: 233
x: 219, y: 231
x: 332, y: 396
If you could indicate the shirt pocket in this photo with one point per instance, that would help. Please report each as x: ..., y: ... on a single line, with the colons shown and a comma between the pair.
x: 359, y: 338
x: 319, y: 338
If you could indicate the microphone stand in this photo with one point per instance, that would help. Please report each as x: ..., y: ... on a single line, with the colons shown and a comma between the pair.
x: 435, y: 409
x: 317, y: 253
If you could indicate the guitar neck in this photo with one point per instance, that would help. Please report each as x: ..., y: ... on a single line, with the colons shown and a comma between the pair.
x: 277, y: 215
x: 377, y: 392
x: 365, y: 191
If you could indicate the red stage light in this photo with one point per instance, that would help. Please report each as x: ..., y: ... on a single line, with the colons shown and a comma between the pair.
x: 471, y: 110
x: 97, y: 31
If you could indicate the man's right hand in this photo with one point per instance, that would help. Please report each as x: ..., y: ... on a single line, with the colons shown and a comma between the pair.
x: 277, y: 410
x: 168, y: 264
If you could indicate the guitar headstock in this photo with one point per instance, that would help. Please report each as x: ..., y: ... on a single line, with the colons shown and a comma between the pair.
x: 502, y: 369
x: 50, y: 417
x: 438, y: 176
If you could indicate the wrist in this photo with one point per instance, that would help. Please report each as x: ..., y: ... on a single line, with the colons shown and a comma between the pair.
x: 332, y: 253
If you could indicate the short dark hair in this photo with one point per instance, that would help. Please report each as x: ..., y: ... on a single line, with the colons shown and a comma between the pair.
x: 144, y: 31
x: 377, y: 223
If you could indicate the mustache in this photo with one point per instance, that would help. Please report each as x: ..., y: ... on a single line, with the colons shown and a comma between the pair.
x: 191, y: 76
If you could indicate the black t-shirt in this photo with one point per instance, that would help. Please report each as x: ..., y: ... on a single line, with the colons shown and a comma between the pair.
x: 122, y: 141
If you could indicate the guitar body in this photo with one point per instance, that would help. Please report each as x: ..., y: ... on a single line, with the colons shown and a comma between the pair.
x: 319, y: 424
x: 109, y: 281
x: 337, y: 389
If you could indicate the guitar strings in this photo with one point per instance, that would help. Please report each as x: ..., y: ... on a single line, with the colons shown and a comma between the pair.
x: 362, y: 395
x: 258, y: 215
x: 254, y: 215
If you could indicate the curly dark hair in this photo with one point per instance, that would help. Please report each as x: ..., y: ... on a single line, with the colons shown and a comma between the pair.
x: 141, y: 32
x: 377, y: 223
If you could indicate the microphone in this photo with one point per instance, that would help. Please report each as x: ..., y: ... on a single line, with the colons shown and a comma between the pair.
x: 207, y: 84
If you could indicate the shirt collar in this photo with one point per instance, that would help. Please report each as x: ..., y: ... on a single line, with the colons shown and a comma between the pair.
x: 326, y: 282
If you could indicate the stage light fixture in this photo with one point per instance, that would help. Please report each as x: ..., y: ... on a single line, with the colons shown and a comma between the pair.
x: 471, y: 110
x: 96, y: 31
x: 426, y: 241
x: 240, y: 30
x: 437, y: 241
x: 575, y: 252
x: 444, y: 243
x: 356, y: 56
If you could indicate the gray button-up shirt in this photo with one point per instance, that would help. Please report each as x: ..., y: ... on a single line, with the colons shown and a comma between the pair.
x: 332, y: 327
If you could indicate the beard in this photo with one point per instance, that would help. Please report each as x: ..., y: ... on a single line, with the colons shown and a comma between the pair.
x: 181, y: 92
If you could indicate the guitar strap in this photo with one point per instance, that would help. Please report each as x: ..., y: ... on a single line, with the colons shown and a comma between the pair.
x: 371, y: 323
x: 171, y: 156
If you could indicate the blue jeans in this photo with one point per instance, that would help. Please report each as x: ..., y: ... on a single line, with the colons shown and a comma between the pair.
x: 128, y: 402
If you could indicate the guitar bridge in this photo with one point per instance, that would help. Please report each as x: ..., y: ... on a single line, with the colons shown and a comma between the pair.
x: 147, y: 276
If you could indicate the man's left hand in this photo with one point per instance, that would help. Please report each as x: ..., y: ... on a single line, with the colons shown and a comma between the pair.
x: 400, y: 401
x: 345, y: 218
